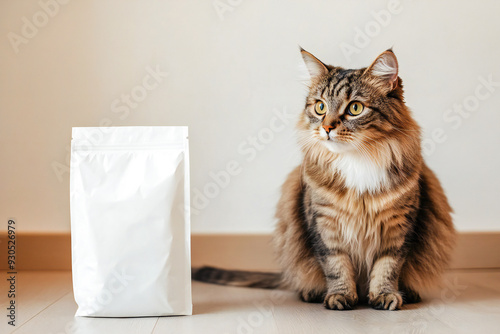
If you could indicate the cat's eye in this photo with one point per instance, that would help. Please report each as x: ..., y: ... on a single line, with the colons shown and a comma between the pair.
x: 355, y: 108
x: 320, y: 108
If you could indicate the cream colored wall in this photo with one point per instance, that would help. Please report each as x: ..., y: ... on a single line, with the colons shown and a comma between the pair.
x: 229, y: 70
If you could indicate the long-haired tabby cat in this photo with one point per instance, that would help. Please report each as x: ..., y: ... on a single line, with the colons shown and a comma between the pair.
x: 362, y: 216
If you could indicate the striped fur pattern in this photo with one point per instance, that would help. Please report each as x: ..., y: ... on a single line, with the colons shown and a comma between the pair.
x: 363, y: 217
x: 250, y: 279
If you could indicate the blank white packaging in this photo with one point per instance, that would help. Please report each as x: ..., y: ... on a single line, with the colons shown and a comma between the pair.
x: 130, y: 224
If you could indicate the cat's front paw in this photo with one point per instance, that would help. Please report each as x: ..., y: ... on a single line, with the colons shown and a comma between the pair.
x: 386, y: 301
x: 339, y: 301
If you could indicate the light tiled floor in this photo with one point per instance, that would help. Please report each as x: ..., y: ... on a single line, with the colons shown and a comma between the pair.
x: 469, y: 302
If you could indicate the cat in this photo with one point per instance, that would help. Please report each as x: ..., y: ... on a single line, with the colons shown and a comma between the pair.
x: 362, y: 218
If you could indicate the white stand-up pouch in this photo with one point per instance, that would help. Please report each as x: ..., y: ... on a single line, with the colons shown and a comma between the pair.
x: 130, y: 224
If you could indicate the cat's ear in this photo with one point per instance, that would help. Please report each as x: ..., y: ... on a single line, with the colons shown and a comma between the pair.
x: 314, y: 66
x: 385, y: 68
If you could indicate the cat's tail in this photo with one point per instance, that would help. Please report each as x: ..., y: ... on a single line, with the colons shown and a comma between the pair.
x: 251, y: 279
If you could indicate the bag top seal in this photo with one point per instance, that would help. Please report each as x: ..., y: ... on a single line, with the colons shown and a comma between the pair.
x: 129, y: 135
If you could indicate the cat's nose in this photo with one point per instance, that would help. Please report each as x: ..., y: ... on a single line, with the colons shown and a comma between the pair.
x: 327, y: 128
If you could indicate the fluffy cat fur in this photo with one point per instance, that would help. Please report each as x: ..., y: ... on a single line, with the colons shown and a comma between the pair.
x: 362, y: 216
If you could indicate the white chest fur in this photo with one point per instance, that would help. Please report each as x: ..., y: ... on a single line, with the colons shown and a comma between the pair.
x: 361, y: 173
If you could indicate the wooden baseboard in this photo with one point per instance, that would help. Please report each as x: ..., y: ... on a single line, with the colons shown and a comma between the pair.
x: 36, y: 251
